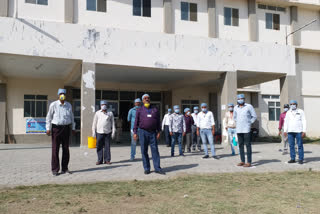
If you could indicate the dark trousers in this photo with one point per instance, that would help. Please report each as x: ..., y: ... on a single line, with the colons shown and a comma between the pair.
x: 147, y: 138
x: 186, y: 141
x: 195, y: 138
x: 245, y: 139
x: 167, y: 135
x: 60, y: 136
x: 103, y: 141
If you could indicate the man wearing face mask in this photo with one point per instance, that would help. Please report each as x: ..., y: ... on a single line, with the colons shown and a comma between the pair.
x: 165, y: 127
x: 230, y: 126
x: 206, y: 129
x: 58, y: 123
x: 131, y: 119
x: 284, y: 139
x: 244, y: 115
x: 147, y: 125
x: 295, y: 128
x: 103, y: 127
x: 187, y: 140
x: 177, y: 129
x: 195, y: 138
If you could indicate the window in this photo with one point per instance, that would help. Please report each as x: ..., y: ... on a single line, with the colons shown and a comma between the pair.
x: 269, y: 7
x: 272, y: 21
x: 127, y: 95
x: 189, y: 11
x: 41, y: 2
x: 231, y: 16
x: 274, y: 111
x: 189, y: 104
x: 142, y: 8
x: 97, y: 5
x: 35, y: 105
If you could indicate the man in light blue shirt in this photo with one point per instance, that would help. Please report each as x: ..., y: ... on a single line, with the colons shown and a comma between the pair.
x: 58, y: 123
x: 244, y: 116
x: 131, y: 119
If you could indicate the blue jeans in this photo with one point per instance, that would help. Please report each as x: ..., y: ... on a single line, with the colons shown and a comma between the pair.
x: 231, y: 134
x: 147, y: 138
x: 176, y: 137
x: 292, y: 136
x: 133, y: 146
x: 167, y: 135
x: 206, y: 136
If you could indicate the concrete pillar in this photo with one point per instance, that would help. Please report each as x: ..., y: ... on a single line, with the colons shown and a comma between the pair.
x: 68, y: 11
x: 295, y: 38
x: 228, y: 93
x: 3, y: 108
x: 4, y: 7
x: 167, y: 16
x: 212, y: 14
x: 88, y: 99
x: 290, y: 90
x: 253, y: 21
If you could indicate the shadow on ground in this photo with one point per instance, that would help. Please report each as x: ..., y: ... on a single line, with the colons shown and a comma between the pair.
x: 100, y: 168
x: 179, y: 167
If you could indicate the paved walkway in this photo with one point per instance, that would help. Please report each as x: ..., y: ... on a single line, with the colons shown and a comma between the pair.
x: 30, y: 164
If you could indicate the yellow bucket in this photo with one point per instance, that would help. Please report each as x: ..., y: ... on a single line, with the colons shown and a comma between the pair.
x: 92, y: 142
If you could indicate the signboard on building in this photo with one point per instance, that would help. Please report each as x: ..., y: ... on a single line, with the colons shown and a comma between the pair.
x: 36, y: 126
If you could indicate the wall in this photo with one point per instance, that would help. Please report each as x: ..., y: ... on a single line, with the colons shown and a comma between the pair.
x: 273, y: 36
x: 16, y: 89
x: 199, y: 28
x: 240, y: 32
x: 119, y: 15
x: 311, y: 34
x: 190, y: 93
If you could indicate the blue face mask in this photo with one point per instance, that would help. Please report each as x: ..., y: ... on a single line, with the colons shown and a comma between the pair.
x: 230, y: 109
x: 177, y: 111
x: 240, y: 102
x: 196, y: 111
x: 286, y: 109
x: 188, y: 113
x: 204, y: 109
x: 136, y: 107
x: 293, y: 107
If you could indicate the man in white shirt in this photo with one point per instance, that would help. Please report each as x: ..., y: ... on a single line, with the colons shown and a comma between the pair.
x: 165, y: 127
x: 103, y: 127
x: 295, y: 128
x: 206, y: 129
x: 195, y: 138
x: 59, y: 119
x: 230, y: 126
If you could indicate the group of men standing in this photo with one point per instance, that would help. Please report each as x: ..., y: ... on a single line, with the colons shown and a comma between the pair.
x: 187, y: 130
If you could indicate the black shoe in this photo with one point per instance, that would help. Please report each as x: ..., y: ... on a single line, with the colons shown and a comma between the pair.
x: 147, y: 172
x: 300, y: 162
x: 215, y: 157
x: 189, y: 150
x: 55, y: 173
x: 182, y: 155
x: 206, y: 156
x: 160, y: 172
x: 66, y: 171
x: 291, y: 161
x: 172, y: 155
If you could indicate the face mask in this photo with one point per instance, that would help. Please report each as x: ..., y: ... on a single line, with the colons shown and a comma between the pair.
x: 230, y: 109
x: 240, y: 102
x: 177, y: 111
x: 62, y: 97
x: 285, y: 109
x: 204, y: 109
x: 293, y: 107
x: 188, y: 113
x: 136, y: 107
x: 104, y: 107
x: 147, y: 105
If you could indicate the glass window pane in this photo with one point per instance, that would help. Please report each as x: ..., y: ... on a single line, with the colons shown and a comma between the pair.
x: 43, y: 2
x: 281, y: 9
x: 278, y: 114
x: 77, y: 108
x: 235, y: 17
x: 276, y: 21
x: 196, y: 102
x: 184, y: 11
x: 193, y: 12
x: 155, y: 96
x: 77, y: 121
x: 97, y: 105
x: 262, y: 6
x: 38, y: 109
x: 140, y: 94
x: 278, y: 104
x: 137, y: 7
x: 275, y: 97
x: 268, y: 20
x: 271, y: 114
x: 272, y: 8
x: 185, y: 101
x: 27, y: 109
x: 29, y: 97
x: 76, y: 94
x: 271, y: 104
x: 227, y: 16
x: 113, y: 106
x: 41, y: 97
x: 31, y: 1
x: 127, y: 95
x: 266, y: 96
x: 98, y: 94
x: 110, y: 95
x: 147, y: 8
x: 102, y: 5
x: 44, y: 108
x: 33, y: 108
x: 91, y: 5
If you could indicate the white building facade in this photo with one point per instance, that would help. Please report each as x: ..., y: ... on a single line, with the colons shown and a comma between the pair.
x: 181, y: 52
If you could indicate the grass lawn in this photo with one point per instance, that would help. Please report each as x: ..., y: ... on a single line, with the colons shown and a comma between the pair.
x: 288, y: 192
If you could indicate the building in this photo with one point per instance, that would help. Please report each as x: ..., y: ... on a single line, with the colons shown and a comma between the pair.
x: 181, y: 52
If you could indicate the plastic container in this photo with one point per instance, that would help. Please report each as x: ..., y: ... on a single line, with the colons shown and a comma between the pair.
x: 92, y: 142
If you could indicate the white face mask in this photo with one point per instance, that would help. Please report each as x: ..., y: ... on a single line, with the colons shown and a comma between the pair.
x: 286, y: 109
x: 188, y: 113
x: 196, y: 111
x: 103, y: 107
x: 293, y: 107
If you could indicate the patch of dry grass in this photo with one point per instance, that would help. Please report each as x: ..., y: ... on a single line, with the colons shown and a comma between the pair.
x: 288, y: 192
